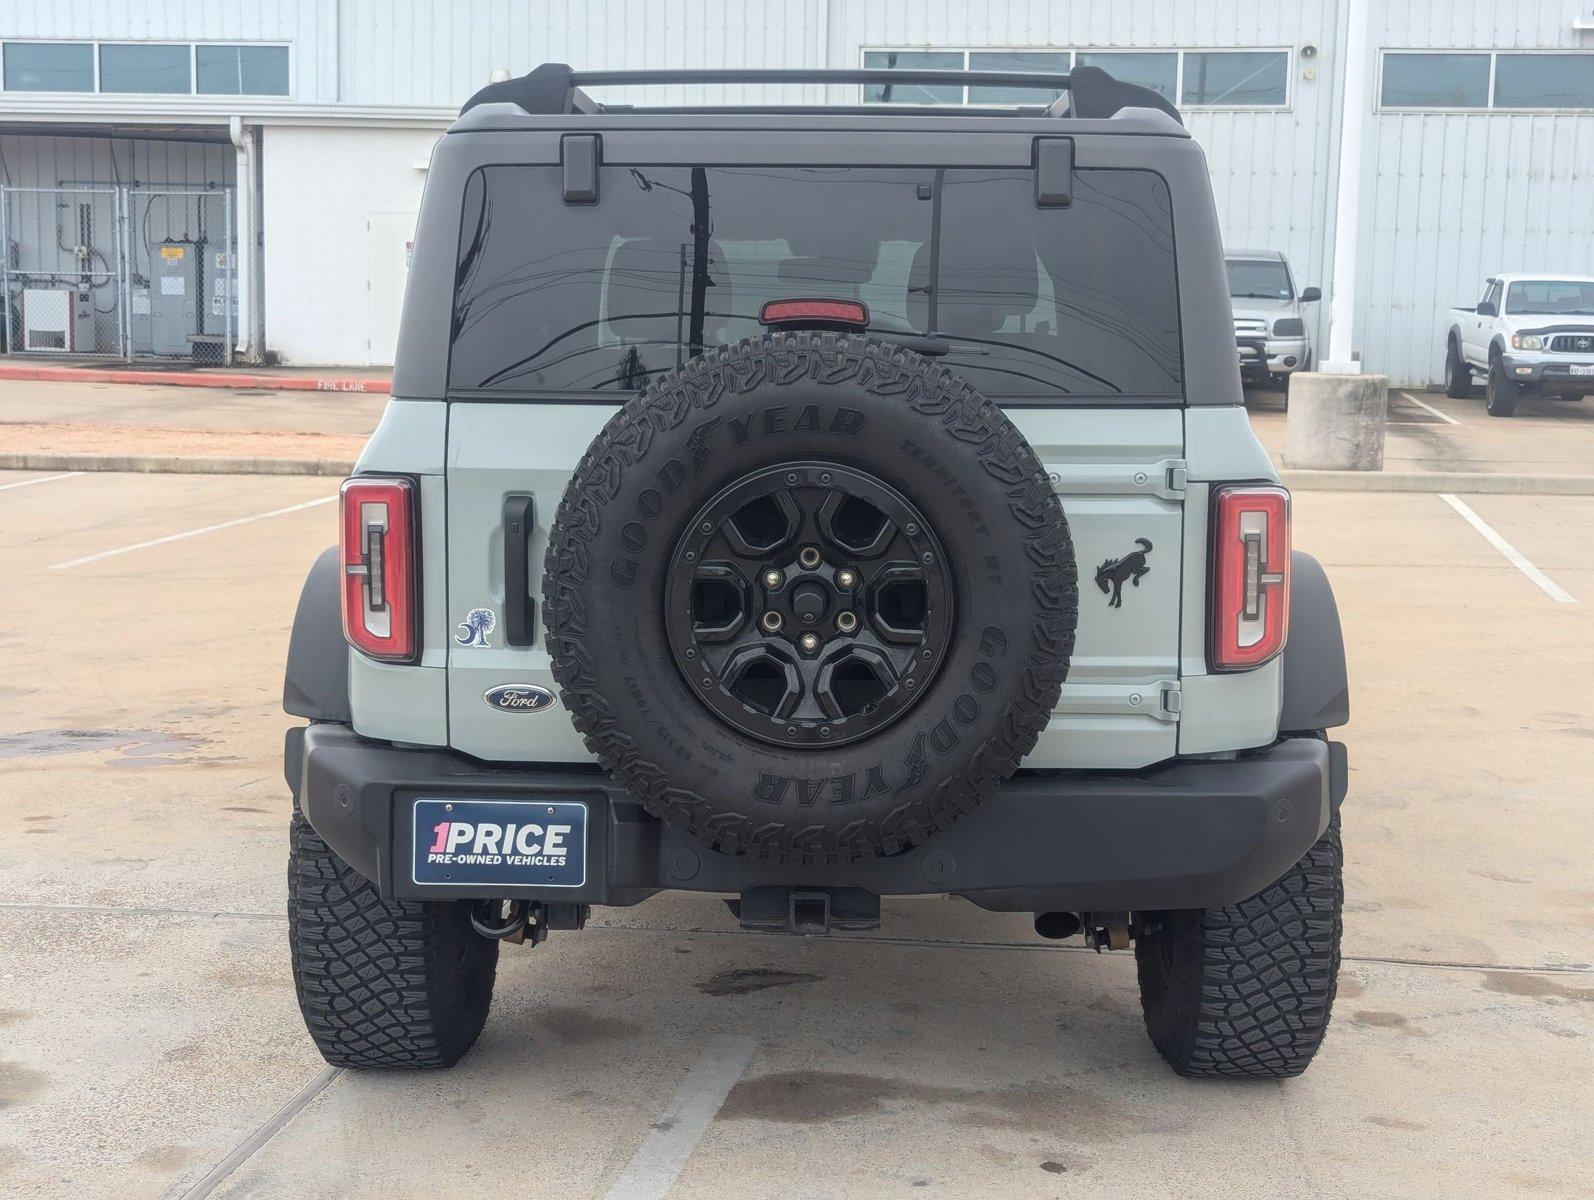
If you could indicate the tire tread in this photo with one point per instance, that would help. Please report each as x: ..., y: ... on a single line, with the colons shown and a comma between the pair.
x: 381, y: 983
x: 1246, y: 991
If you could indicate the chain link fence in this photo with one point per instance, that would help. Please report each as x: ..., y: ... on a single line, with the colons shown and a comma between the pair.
x: 119, y: 271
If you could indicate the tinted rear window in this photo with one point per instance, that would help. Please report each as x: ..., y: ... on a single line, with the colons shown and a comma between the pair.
x: 1034, y: 302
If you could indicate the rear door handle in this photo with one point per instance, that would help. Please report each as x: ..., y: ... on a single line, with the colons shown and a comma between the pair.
x: 520, y: 610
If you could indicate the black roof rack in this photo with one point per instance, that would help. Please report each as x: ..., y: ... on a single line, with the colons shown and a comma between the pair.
x: 555, y: 88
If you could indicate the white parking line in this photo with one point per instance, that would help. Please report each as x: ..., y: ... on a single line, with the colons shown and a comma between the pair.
x: 1515, y: 556
x: 6, y: 487
x: 1430, y: 408
x: 177, y: 537
x: 653, y: 1169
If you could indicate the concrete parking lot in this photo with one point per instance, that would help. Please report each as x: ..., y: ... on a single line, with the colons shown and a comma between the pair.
x: 150, y: 1044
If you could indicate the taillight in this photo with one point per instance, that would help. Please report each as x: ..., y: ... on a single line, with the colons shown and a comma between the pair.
x: 378, y: 546
x: 1250, y: 576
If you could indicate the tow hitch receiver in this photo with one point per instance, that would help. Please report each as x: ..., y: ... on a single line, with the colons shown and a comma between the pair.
x: 807, y: 910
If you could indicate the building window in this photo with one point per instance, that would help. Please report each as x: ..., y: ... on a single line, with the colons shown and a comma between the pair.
x: 149, y: 68
x: 1040, y: 61
x: 242, y: 70
x: 1160, y: 72
x: 1435, y: 81
x: 922, y: 60
x: 146, y: 68
x: 1211, y: 78
x: 1236, y: 78
x: 49, y: 67
x: 1486, y: 79
x: 1544, y: 81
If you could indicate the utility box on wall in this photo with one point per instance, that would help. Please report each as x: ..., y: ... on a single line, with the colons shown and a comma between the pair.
x: 174, y: 298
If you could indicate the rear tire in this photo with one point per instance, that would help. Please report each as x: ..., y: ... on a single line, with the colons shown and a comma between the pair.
x: 1571, y: 397
x: 1458, y: 376
x: 382, y: 983
x: 1501, y: 398
x: 1246, y: 991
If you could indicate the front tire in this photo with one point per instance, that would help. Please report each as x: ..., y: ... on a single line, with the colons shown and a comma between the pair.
x: 1458, y: 376
x: 1246, y: 991
x: 381, y: 983
x: 1501, y: 399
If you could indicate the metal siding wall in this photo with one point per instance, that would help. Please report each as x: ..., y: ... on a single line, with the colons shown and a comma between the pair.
x: 308, y: 25
x: 42, y: 161
x: 1450, y: 198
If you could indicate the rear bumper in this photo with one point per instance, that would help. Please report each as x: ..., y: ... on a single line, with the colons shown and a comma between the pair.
x: 1186, y: 834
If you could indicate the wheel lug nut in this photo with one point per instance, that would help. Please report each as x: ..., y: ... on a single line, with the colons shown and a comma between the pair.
x: 772, y: 579
x: 770, y: 621
x: 846, y: 579
x: 846, y: 622
x: 810, y: 642
x: 808, y: 556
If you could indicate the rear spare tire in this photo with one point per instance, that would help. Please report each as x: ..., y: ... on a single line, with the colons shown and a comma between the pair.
x: 811, y: 597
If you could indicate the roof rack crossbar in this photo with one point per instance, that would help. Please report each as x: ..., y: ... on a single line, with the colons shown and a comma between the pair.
x: 554, y: 88
x: 892, y: 75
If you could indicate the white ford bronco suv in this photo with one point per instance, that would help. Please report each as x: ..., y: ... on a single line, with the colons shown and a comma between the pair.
x: 1530, y: 335
x: 805, y: 506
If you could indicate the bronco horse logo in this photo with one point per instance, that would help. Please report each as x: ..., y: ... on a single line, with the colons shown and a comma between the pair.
x: 1112, y: 574
x: 473, y: 630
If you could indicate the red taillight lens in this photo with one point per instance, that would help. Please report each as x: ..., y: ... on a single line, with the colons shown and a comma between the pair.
x: 1250, y: 576
x: 378, y: 545
x: 830, y: 312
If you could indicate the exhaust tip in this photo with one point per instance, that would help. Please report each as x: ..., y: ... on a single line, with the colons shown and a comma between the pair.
x: 1057, y: 925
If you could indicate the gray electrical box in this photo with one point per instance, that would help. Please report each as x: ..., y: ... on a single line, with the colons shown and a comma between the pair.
x: 174, y: 298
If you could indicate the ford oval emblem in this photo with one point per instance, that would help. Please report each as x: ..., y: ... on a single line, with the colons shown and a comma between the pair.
x: 520, y: 698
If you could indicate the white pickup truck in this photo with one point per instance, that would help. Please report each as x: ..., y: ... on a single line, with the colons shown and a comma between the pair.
x: 1529, y: 335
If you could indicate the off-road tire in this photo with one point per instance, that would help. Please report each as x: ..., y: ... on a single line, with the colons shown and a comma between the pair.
x: 382, y: 983
x: 922, y: 430
x: 1246, y: 991
x: 1501, y: 397
x: 1458, y: 376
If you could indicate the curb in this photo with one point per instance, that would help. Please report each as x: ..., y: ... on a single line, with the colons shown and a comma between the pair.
x: 200, y: 379
x: 1471, y: 482
x: 172, y: 464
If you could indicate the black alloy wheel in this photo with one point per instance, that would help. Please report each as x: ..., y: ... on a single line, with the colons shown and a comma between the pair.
x: 809, y: 603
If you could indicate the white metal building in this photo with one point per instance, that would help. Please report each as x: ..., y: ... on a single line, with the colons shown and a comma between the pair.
x: 1477, y: 152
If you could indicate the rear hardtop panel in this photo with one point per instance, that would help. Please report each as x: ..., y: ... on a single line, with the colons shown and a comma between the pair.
x: 1154, y: 143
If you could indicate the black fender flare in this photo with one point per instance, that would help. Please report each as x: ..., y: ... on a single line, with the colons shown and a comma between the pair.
x: 1316, y: 686
x: 317, y: 680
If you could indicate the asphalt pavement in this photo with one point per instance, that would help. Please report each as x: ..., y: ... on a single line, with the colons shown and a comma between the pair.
x: 150, y: 1044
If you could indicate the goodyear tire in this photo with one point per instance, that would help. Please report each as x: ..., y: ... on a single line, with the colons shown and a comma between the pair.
x: 943, y: 535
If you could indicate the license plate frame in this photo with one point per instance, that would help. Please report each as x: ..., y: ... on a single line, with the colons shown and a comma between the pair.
x: 445, y: 856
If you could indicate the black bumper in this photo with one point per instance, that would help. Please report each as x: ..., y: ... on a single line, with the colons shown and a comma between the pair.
x: 1186, y: 834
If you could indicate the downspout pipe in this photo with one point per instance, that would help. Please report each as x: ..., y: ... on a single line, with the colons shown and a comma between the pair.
x: 247, y: 236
